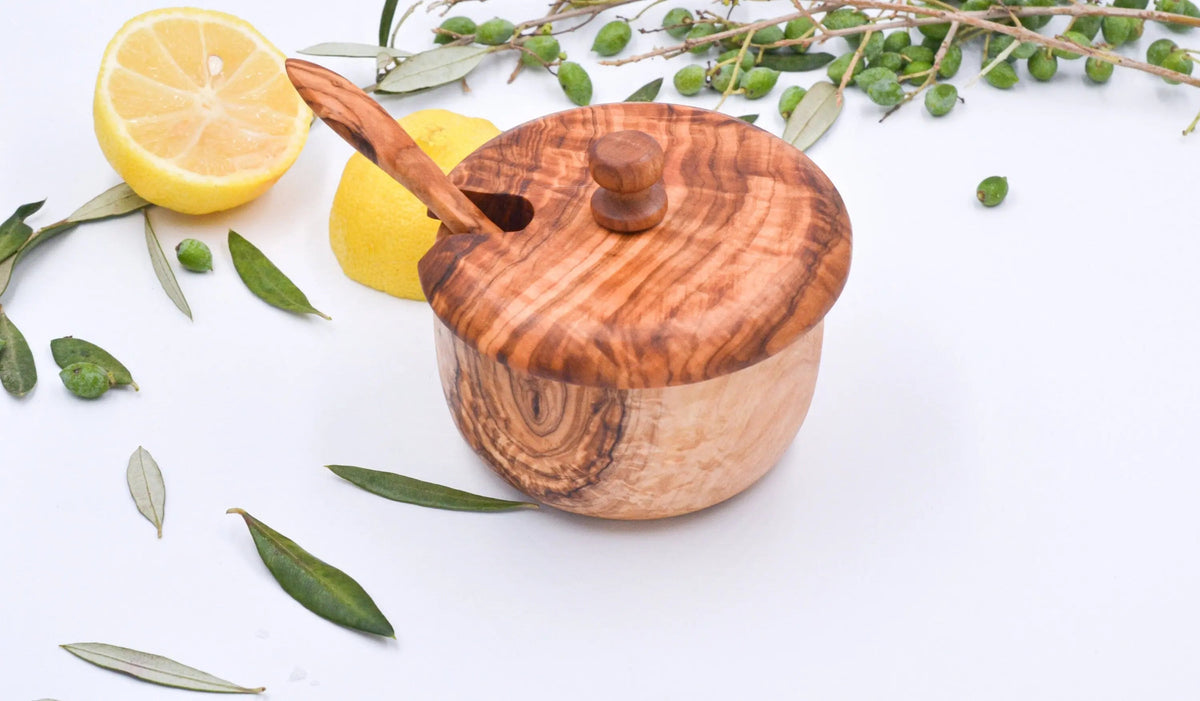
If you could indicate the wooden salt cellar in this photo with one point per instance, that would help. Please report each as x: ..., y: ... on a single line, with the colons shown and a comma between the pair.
x: 620, y: 374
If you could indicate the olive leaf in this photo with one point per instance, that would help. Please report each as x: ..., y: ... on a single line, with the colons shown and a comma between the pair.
x: 265, y: 280
x: 155, y: 669
x: 815, y: 113
x: 146, y: 487
x: 317, y: 586
x: 414, y: 491
x: 749, y: 118
x: 14, y: 232
x: 117, y: 201
x: 791, y: 63
x: 162, y: 269
x: 385, y: 20
x: 18, y: 374
x: 432, y: 68
x: 647, y: 92
x: 69, y: 350
x: 346, y: 49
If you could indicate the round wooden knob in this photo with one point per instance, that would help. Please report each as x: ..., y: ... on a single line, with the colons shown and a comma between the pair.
x: 627, y: 165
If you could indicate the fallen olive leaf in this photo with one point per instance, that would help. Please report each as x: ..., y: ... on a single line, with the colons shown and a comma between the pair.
x: 266, y: 281
x: 813, y: 116
x: 69, y: 350
x: 146, y: 487
x: 14, y: 232
x: 162, y: 269
x: 155, y: 669
x: 647, y: 92
x: 18, y: 373
x: 414, y: 491
x: 317, y: 586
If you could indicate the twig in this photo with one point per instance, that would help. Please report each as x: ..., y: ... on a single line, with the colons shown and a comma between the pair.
x: 1000, y: 58
x: 733, y: 76
x: 858, y: 52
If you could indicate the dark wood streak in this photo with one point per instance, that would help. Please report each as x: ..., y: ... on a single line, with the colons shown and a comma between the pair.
x: 548, y: 439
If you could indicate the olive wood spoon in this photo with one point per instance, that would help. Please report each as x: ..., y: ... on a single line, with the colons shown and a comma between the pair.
x: 366, y: 126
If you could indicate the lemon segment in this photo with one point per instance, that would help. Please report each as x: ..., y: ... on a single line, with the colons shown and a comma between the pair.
x: 379, y: 230
x: 194, y: 110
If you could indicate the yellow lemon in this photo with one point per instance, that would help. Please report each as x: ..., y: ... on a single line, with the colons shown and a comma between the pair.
x: 378, y: 229
x: 193, y: 109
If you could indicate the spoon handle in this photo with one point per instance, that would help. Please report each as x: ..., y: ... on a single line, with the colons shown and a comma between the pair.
x: 366, y: 126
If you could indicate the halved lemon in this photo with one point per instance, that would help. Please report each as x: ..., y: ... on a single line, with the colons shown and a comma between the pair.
x: 194, y: 110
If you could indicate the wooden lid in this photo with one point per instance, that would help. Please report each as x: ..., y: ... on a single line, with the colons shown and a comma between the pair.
x: 752, y: 251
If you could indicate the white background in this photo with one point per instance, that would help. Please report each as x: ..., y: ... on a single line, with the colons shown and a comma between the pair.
x: 994, y: 496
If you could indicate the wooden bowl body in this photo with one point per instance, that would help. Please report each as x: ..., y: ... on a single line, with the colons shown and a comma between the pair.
x: 629, y: 453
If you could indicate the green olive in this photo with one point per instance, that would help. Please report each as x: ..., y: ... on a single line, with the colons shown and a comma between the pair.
x: 1025, y: 50
x: 992, y: 190
x: 917, y: 53
x: 1178, y: 61
x: 976, y: 5
x: 866, y: 78
x: 940, y: 99
x: 540, y: 50
x: 1002, y: 76
x: 194, y: 255
x: 698, y: 32
x: 950, y: 62
x: 789, y: 99
x: 897, y: 40
x: 1087, y: 25
x: 729, y: 56
x: 888, y: 59
x: 612, y: 38
x: 874, y: 46
x: 575, y: 82
x: 1036, y: 21
x: 1097, y: 70
x: 1132, y: 4
x: 935, y: 31
x: 721, y: 79
x: 464, y: 26
x: 886, y: 93
x: 1139, y: 26
x: 494, y: 32
x: 1159, y: 50
x: 1043, y: 65
x: 86, y: 380
x: 846, y: 18
x: 917, y: 71
x: 1179, y: 7
x: 689, y: 80
x: 677, y: 22
x: 800, y: 28
x: 997, y: 44
x: 766, y: 36
x: 757, y: 82
x: 1075, y: 38
x: 836, y: 70
x: 1117, y: 30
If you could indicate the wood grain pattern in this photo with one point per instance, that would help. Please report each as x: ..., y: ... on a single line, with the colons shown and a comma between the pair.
x: 753, y: 251
x: 629, y: 453
x: 374, y: 133
x: 627, y: 165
